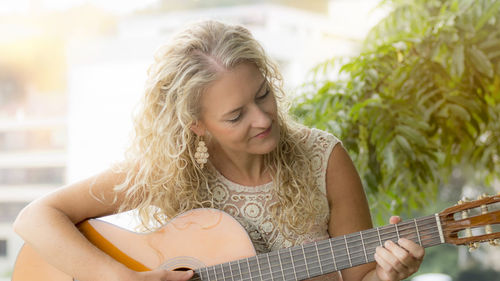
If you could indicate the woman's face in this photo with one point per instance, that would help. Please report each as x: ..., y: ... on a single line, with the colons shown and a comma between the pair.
x: 239, y: 112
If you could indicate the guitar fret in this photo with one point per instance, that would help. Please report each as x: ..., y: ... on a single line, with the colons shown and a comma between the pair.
x: 215, y: 273
x: 379, y: 239
x: 249, y: 269
x: 339, y: 248
x: 281, y: 266
x: 223, y: 275
x: 275, y: 265
x: 347, y: 249
x: 418, y: 234
x: 305, y: 260
x: 208, y: 275
x: 363, y: 245
x: 265, y: 267
x: 293, y: 264
x: 258, y: 266
x: 254, y: 264
x: 201, y: 273
x: 372, y: 242
x: 239, y: 269
x: 312, y: 257
x: 325, y: 255
x: 299, y: 263
x: 397, y: 230
x: 333, y: 255
x: 270, y: 267
x: 245, y: 274
x: 319, y: 258
x: 231, y: 270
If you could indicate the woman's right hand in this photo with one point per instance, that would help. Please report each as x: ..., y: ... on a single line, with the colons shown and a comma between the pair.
x: 163, y: 275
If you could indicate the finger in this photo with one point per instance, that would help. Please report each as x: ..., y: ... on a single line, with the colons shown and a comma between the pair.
x: 394, y: 219
x: 384, y: 268
x: 382, y: 256
x: 404, y: 257
x: 413, y: 248
x: 394, y: 263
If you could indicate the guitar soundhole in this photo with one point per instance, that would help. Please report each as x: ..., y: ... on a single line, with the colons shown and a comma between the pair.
x: 182, y: 269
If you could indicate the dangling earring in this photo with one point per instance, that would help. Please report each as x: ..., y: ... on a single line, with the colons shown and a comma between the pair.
x: 201, y: 154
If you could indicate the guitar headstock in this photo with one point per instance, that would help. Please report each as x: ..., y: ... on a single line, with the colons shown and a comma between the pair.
x: 472, y: 222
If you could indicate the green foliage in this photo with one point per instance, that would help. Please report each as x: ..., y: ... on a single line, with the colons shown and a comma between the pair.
x: 443, y: 259
x: 422, y: 98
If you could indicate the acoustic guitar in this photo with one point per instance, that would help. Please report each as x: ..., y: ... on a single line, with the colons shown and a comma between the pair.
x: 217, y: 247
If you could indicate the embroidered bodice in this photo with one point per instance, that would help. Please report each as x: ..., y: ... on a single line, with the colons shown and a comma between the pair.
x: 250, y: 205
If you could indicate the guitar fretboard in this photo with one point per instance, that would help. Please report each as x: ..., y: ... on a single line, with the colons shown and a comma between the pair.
x: 323, y: 257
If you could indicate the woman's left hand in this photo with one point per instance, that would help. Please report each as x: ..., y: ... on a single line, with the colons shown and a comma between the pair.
x: 398, y: 261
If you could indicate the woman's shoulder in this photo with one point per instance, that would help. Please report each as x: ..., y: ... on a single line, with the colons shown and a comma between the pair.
x: 313, y: 137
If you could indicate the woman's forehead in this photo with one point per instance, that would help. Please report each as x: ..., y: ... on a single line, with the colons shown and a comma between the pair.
x: 233, y: 88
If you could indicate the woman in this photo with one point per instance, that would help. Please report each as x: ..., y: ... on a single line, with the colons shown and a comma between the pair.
x: 213, y: 131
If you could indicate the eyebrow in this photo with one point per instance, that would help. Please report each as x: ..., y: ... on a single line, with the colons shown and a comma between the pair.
x: 239, y: 108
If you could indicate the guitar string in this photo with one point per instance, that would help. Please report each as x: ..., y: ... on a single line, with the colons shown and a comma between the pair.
x: 404, y: 232
x: 389, y: 230
x: 256, y: 275
x: 345, y: 247
x: 342, y: 245
x: 319, y: 262
x: 369, y: 240
x: 399, y: 229
x: 262, y: 275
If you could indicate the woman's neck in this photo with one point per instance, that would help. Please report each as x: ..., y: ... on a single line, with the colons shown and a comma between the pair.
x: 241, y: 168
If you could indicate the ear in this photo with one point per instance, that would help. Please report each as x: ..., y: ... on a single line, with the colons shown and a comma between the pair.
x: 198, y: 128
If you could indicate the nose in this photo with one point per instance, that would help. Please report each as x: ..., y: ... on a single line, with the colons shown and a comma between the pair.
x: 260, y: 118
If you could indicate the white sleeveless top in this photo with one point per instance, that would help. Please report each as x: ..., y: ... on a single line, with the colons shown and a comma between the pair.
x: 250, y: 204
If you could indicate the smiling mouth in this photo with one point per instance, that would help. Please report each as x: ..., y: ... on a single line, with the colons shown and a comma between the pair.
x: 265, y: 133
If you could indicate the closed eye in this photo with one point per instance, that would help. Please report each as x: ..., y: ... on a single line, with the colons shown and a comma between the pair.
x: 236, y: 119
x: 264, y: 95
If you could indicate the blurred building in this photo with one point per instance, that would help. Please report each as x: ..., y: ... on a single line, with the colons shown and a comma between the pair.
x: 65, y: 109
x: 33, y: 122
x: 33, y: 149
x: 107, y: 74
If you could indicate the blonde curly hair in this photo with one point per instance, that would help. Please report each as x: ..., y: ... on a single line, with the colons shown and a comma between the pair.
x: 162, y: 177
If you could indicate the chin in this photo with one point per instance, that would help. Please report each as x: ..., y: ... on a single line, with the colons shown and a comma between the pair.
x: 269, y: 149
x: 268, y: 146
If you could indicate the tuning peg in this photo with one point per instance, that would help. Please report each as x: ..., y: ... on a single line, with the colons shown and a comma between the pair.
x: 473, y: 246
x: 494, y: 242
x: 482, y: 196
x: 463, y: 200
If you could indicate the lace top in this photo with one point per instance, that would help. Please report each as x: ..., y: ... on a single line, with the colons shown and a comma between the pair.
x: 250, y: 205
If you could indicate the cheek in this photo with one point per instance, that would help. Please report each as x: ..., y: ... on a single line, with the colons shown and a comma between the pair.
x: 271, y: 107
x: 230, y: 134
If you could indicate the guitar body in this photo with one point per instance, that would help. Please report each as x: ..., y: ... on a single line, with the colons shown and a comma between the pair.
x: 195, y: 239
x: 217, y: 247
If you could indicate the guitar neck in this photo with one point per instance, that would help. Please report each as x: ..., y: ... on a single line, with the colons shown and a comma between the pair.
x: 323, y: 257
